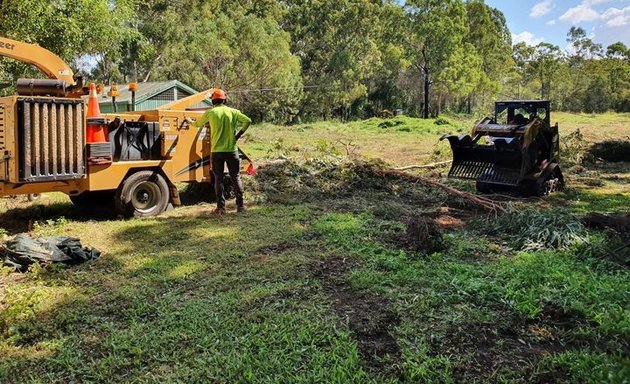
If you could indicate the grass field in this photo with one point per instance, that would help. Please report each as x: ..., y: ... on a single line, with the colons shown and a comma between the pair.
x: 318, y: 281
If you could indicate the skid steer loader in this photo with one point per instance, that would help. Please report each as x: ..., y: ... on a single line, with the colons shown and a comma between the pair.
x: 517, y: 150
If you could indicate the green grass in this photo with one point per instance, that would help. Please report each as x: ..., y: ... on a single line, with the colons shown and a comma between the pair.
x: 400, y: 140
x: 319, y: 286
x: 596, y: 127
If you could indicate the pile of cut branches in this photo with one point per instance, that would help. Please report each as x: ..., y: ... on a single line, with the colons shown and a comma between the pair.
x: 287, y: 180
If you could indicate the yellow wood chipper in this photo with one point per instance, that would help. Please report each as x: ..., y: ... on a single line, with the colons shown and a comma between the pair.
x: 48, y: 143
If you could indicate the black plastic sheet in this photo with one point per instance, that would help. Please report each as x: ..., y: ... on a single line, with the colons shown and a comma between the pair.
x: 22, y: 251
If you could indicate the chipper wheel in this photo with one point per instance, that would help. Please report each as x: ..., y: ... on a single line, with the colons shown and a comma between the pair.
x: 144, y: 193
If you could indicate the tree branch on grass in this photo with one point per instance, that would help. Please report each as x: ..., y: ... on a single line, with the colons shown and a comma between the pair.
x: 423, y: 166
x: 483, y: 202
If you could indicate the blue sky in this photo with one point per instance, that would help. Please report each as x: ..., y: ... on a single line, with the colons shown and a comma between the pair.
x: 533, y: 21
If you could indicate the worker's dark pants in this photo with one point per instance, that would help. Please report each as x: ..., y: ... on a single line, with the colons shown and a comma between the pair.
x: 219, y: 159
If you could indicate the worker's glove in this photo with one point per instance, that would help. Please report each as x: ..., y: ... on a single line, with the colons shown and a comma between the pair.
x: 188, y: 120
x: 238, y: 135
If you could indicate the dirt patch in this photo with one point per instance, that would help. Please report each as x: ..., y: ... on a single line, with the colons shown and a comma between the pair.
x: 449, y: 222
x: 422, y: 231
x: 273, y: 249
x: 369, y: 317
x: 423, y: 234
x: 513, y: 344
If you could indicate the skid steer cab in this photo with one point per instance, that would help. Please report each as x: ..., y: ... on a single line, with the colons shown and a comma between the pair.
x: 517, y: 150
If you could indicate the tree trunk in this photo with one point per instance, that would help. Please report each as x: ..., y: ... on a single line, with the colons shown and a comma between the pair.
x: 425, y: 112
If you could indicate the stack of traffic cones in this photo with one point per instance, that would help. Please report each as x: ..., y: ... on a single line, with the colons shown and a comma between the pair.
x: 98, y: 148
x: 96, y: 123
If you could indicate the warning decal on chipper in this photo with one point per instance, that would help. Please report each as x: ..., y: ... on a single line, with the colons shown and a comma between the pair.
x: 194, y: 165
x: 8, y: 46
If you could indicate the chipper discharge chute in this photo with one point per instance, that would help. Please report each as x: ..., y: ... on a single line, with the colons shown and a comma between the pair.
x: 517, y: 150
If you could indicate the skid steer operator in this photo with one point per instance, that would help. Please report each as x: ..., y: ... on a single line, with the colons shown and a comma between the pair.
x: 223, y: 137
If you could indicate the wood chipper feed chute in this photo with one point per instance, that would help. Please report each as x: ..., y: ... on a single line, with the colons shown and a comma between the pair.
x: 521, y: 154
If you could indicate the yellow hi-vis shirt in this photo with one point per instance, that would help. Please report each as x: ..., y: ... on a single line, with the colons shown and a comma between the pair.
x: 223, y: 122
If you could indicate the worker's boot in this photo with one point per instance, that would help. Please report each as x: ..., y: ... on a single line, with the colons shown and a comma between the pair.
x: 241, y: 208
x: 219, y: 211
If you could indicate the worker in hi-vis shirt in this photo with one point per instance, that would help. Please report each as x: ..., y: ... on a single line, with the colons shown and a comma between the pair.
x: 223, y: 137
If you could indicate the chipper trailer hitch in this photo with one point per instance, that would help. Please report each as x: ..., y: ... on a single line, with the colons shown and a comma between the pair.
x: 521, y: 154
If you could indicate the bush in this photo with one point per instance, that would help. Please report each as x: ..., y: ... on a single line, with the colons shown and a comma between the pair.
x: 532, y: 228
x: 390, y: 123
x: 441, y: 121
x: 386, y: 114
x: 612, y: 150
x: 574, y: 150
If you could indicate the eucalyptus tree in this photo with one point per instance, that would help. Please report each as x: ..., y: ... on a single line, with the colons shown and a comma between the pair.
x: 489, y: 34
x: 437, y: 44
x: 75, y: 30
x: 337, y: 43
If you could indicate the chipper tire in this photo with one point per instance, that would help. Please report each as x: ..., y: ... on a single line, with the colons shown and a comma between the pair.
x: 143, y: 194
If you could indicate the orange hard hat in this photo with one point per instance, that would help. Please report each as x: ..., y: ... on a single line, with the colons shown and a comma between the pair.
x: 218, y: 94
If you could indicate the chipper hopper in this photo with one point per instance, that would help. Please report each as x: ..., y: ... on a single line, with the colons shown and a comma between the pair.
x: 519, y: 151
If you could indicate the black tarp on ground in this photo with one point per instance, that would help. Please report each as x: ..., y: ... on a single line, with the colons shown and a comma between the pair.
x: 22, y: 251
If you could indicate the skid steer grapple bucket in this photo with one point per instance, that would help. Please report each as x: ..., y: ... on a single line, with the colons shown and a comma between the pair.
x: 498, y: 163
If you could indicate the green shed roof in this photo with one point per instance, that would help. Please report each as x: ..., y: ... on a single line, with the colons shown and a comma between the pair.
x: 146, y: 91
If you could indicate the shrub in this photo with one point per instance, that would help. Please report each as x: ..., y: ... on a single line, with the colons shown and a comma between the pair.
x: 441, y: 121
x: 574, y: 150
x: 612, y: 150
x: 386, y: 114
x: 390, y: 123
x: 532, y: 228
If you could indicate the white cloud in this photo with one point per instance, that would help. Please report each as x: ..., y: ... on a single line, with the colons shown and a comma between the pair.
x: 541, y: 9
x: 594, y: 2
x: 611, y: 24
x: 617, y: 17
x: 582, y: 12
x: 526, y: 37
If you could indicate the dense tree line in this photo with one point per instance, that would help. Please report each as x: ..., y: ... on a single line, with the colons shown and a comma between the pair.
x: 286, y: 60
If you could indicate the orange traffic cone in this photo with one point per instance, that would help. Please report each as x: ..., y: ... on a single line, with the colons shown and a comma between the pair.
x: 93, y: 110
x: 96, y: 124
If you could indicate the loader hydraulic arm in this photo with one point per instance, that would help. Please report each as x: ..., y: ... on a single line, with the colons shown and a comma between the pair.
x: 187, y: 102
x: 49, y: 63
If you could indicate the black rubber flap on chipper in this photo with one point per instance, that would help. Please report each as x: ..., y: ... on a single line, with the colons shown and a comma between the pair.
x: 498, y: 163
